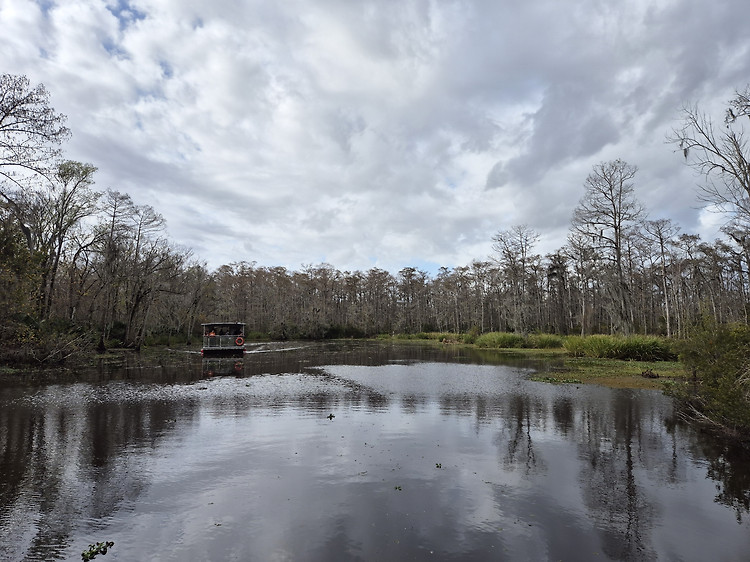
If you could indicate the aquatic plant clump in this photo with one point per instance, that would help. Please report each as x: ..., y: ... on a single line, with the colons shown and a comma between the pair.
x: 95, y: 549
x: 635, y: 348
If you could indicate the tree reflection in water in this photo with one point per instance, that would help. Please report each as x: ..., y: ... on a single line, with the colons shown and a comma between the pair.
x: 519, y: 449
x: 586, y: 464
x: 728, y: 465
x: 615, y: 452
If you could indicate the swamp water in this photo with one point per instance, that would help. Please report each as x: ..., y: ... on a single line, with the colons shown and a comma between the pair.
x: 357, y: 451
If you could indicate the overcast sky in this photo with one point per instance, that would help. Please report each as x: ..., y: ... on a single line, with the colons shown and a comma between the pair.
x: 385, y: 133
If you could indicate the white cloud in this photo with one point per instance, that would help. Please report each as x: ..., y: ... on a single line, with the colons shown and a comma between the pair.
x: 375, y: 133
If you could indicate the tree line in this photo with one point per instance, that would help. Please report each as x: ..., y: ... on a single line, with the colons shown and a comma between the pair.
x: 76, y: 260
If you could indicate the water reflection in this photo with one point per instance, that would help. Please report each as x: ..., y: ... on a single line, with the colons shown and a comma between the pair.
x: 429, y: 454
x: 221, y: 366
x: 728, y: 464
x: 615, y: 451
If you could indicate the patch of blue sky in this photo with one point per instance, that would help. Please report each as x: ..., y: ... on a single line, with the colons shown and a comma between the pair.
x: 166, y: 69
x: 430, y: 267
x: 150, y: 94
x: 46, y: 5
x: 125, y: 13
x: 114, y: 49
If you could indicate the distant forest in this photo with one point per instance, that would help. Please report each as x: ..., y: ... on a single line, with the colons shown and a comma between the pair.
x: 74, y: 260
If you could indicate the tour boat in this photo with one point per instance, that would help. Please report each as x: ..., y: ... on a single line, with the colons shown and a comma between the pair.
x: 223, y: 338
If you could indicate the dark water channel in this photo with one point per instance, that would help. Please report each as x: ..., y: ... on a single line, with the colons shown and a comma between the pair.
x: 357, y: 451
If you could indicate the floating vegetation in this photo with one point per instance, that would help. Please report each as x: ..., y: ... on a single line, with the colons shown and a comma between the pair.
x: 95, y: 549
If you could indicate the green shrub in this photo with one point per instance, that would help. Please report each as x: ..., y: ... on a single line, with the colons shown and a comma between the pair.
x: 472, y: 335
x: 719, y: 358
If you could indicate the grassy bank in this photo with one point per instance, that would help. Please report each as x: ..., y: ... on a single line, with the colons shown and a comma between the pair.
x: 615, y: 373
x: 614, y: 361
x: 632, y: 362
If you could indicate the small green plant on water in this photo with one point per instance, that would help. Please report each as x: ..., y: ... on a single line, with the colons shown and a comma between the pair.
x: 94, y: 549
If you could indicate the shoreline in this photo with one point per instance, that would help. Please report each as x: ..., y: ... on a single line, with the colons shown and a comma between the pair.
x: 614, y: 373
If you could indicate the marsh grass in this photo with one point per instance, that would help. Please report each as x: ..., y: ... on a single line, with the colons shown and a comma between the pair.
x: 500, y: 340
x: 620, y: 373
x: 614, y: 361
x: 509, y: 340
x: 545, y: 341
x: 636, y: 348
x: 441, y: 337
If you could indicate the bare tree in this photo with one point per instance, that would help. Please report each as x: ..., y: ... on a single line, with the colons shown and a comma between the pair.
x: 606, y: 215
x: 513, y: 253
x: 662, y: 231
x: 585, y: 259
x: 149, y: 260
x: 412, y: 298
x: 50, y: 215
x: 196, y: 291
x: 557, y: 288
x: 721, y: 156
x: 113, y: 232
x: 30, y: 135
x: 481, y: 279
x: 739, y: 106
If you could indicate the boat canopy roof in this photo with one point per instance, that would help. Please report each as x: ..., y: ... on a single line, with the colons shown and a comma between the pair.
x: 224, y: 328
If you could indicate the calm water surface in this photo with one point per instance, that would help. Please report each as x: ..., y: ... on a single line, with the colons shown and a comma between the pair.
x: 357, y: 451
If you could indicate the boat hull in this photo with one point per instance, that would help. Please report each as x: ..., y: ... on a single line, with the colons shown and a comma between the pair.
x: 223, y: 352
